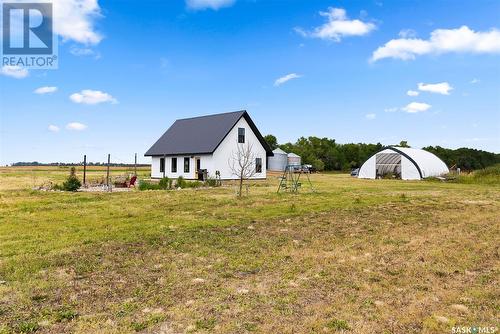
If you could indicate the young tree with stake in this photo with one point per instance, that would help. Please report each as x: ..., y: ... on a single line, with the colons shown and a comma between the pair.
x: 242, y: 164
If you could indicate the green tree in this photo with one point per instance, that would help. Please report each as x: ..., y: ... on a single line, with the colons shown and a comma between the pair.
x: 336, y: 156
x: 72, y: 183
x: 318, y: 164
x: 465, y: 158
x: 404, y: 143
x: 271, y: 141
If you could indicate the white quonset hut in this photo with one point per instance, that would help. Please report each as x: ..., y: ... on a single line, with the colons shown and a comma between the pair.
x: 406, y: 163
x: 278, y: 161
x: 294, y: 159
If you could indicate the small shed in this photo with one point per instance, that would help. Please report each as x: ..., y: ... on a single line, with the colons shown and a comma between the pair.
x: 294, y: 159
x: 278, y: 161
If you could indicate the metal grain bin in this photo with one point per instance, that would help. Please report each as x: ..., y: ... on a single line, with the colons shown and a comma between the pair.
x: 277, y: 162
x: 294, y: 159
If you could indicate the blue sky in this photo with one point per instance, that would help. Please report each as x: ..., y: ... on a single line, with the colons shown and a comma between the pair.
x: 128, y: 69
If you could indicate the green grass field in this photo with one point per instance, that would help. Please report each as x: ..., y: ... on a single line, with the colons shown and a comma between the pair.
x: 357, y: 256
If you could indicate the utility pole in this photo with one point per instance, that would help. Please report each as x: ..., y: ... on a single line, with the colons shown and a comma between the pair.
x: 135, y: 165
x: 84, y: 168
x: 107, y: 172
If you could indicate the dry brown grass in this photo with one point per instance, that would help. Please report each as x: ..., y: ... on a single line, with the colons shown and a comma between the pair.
x: 356, y: 256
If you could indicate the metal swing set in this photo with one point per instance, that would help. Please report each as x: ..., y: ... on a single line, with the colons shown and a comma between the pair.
x: 290, y: 180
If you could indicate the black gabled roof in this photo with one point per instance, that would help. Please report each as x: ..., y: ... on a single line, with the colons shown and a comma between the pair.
x: 201, y: 135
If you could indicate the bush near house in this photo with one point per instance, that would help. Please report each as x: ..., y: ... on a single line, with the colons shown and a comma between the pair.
x: 181, y: 183
x: 211, y: 182
x: 145, y: 185
x: 168, y: 184
x: 194, y: 184
x: 165, y: 183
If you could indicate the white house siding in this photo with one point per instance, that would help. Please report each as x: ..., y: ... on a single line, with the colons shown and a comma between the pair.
x: 230, y: 144
x: 205, y: 161
x: 155, y: 167
x: 219, y: 160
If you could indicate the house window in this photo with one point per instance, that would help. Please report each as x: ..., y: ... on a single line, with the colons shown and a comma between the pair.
x: 258, y: 165
x: 162, y: 165
x: 241, y: 135
x: 186, y: 165
x: 173, y: 165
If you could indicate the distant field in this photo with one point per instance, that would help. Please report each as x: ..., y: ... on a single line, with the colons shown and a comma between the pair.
x: 356, y: 256
x: 31, y: 176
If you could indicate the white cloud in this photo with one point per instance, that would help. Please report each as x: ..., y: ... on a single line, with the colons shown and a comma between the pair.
x: 412, y: 93
x: 53, y: 128
x: 443, y: 88
x: 475, y: 81
x: 209, y: 4
x: 88, y: 96
x: 74, y: 20
x: 416, y: 107
x: 370, y: 116
x: 45, y: 90
x: 84, y: 52
x: 407, y: 33
x: 461, y: 40
x: 392, y: 109
x: 17, y: 72
x: 286, y: 78
x: 337, y: 26
x: 75, y: 126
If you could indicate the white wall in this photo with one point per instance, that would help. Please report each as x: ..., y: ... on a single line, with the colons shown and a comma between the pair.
x: 230, y: 144
x: 430, y: 165
x: 368, y: 169
x: 205, y: 161
x: 219, y: 160
x: 408, y: 170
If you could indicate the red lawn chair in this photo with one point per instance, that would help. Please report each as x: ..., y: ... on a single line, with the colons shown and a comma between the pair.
x: 132, y: 181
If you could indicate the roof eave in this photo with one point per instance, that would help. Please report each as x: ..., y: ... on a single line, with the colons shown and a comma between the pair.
x: 175, y: 154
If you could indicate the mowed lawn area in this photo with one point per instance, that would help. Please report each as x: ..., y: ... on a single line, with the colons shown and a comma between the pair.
x: 356, y: 256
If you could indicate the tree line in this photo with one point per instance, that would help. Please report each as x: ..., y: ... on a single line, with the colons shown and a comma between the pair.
x: 465, y: 158
x: 326, y: 154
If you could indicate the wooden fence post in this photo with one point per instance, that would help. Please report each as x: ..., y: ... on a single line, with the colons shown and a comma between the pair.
x: 84, y: 169
x: 107, y: 171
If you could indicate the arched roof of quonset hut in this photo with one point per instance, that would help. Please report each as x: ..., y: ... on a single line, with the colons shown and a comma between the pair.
x: 425, y: 163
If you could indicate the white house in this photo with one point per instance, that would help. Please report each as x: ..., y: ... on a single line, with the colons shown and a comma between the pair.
x: 208, y: 143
